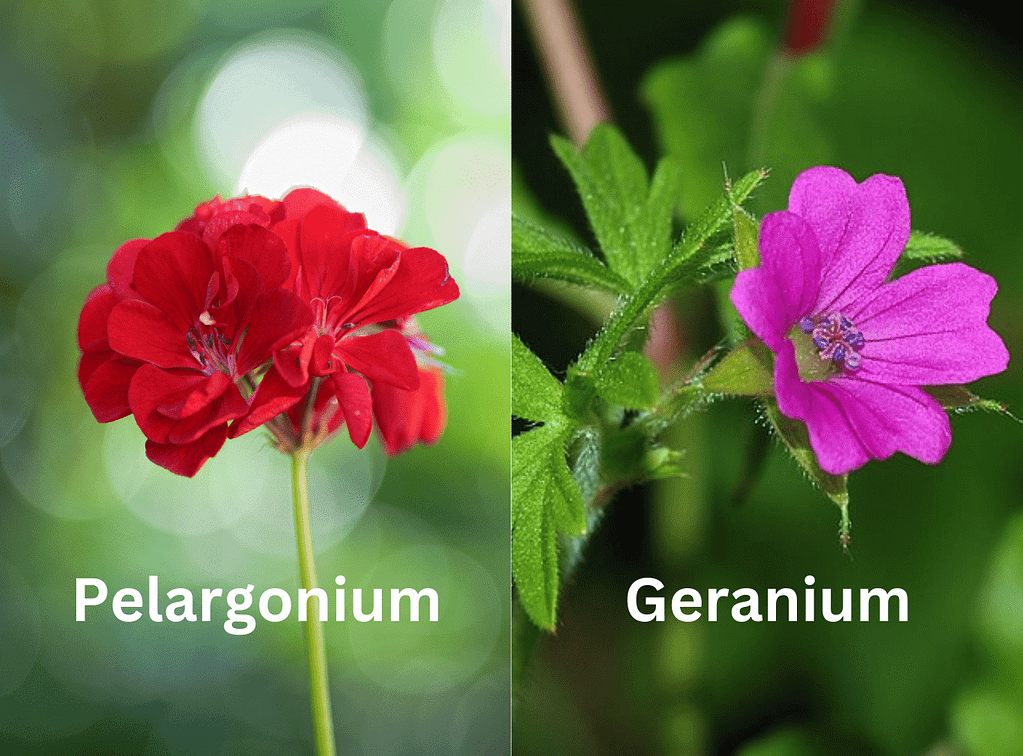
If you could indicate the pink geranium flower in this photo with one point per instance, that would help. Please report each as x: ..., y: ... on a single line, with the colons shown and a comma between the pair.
x: 852, y: 348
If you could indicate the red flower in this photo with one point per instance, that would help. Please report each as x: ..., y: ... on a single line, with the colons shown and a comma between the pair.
x: 360, y: 286
x: 180, y: 325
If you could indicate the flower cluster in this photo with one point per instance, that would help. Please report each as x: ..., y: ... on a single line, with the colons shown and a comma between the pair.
x: 852, y: 348
x: 290, y: 314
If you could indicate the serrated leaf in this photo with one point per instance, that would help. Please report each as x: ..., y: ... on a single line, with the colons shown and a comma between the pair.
x: 745, y: 371
x: 688, y: 257
x: 631, y: 218
x: 539, y: 253
x: 629, y: 381
x: 536, y: 394
x: 545, y: 500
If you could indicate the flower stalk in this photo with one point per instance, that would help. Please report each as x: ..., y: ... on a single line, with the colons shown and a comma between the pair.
x: 319, y: 689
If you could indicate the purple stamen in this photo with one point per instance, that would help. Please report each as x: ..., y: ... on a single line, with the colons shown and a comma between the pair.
x: 836, y: 337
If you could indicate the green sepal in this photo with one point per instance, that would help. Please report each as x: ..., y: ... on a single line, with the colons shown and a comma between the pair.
x: 629, y: 380
x: 745, y: 371
x: 961, y: 399
x: 926, y: 249
x: 747, y: 232
x: 539, y: 253
x: 796, y: 440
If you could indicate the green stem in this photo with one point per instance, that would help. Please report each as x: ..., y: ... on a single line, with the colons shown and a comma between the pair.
x: 319, y: 690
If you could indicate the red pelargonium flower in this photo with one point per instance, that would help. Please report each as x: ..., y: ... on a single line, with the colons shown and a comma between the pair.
x: 852, y: 348
x: 361, y: 286
x: 177, y: 329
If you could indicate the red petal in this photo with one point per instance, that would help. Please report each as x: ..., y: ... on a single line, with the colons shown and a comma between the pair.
x: 409, y: 417
x: 150, y: 387
x: 293, y: 363
x: 383, y: 356
x: 106, y: 389
x: 273, y: 396
x: 92, y: 323
x: 186, y: 459
x: 321, y: 362
x: 324, y: 245
x: 139, y: 330
x: 356, y: 404
x: 278, y: 318
x: 265, y: 250
x: 172, y: 272
x: 420, y: 281
x: 121, y: 268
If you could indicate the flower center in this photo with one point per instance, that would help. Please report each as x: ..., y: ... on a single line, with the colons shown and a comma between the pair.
x: 825, y: 344
x: 327, y: 317
x: 211, y: 349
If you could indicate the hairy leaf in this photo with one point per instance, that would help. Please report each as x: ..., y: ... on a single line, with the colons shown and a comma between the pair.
x: 539, y: 253
x: 630, y: 217
x: 629, y: 380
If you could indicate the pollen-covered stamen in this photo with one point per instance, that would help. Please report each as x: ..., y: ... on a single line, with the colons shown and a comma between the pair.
x: 836, y: 338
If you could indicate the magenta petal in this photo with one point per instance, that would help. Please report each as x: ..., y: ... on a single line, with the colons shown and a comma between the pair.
x: 861, y: 229
x: 888, y: 419
x: 850, y: 420
x: 930, y: 328
x: 832, y: 438
x: 773, y: 297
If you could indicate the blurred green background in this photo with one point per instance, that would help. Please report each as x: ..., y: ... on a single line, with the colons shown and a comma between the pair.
x: 116, y: 119
x: 929, y: 92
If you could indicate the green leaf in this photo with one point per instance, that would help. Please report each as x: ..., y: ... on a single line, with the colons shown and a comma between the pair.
x: 629, y: 380
x: 796, y: 440
x: 745, y: 371
x: 690, y: 256
x: 631, y: 218
x: 545, y: 497
x: 536, y: 394
x: 539, y: 253
x: 545, y: 500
